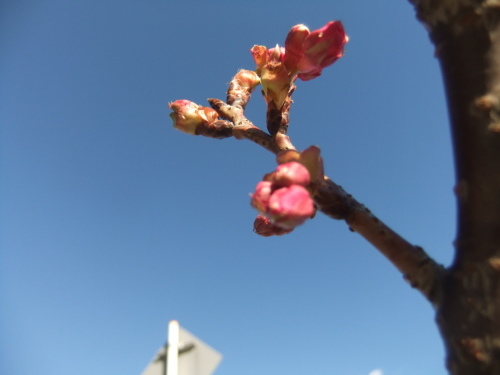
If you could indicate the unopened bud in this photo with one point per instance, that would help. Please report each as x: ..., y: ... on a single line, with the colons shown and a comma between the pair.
x: 247, y: 79
x: 275, y: 79
x: 291, y: 173
x: 187, y: 116
x: 294, y: 49
x: 242, y: 85
x: 260, y: 197
x: 322, y: 48
x: 290, y: 206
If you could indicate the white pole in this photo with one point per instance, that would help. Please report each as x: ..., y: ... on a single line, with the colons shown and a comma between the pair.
x: 173, y: 348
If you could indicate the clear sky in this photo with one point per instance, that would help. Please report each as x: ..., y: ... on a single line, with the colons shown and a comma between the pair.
x: 113, y: 223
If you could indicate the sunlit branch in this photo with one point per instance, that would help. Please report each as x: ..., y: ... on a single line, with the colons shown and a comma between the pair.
x: 421, y: 271
x: 304, y: 57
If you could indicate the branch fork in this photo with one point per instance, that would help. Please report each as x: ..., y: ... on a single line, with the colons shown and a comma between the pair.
x: 226, y: 119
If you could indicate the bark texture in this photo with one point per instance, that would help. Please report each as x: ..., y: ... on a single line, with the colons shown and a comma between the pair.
x: 466, y: 34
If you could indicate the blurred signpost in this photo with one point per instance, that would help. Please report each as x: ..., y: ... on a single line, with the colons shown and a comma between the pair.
x: 184, y: 354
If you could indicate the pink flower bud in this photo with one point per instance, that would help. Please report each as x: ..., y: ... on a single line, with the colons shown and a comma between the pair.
x: 187, y: 116
x: 291, y: 173
x: 264, y: 227
x: 305, y: 56
x: 309, y: 158
x: 290, y: 206
x: 322, y: 48
x: 260, y: 198
x: 294, y: 49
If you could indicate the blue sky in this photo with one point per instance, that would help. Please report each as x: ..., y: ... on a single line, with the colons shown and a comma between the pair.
x: 113, y: 223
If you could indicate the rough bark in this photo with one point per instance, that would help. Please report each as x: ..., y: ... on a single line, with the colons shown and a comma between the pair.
x: 466, y: 34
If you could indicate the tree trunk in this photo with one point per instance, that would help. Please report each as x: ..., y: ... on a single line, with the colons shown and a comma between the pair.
x: 466, y: 34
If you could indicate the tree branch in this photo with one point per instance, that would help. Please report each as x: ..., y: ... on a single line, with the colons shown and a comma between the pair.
x: 421, y: 271
x: 466, y: 34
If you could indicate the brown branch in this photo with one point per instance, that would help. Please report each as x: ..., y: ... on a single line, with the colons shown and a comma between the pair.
x: 466, y: 34
x: 243, y: 128
x: 422, y: 272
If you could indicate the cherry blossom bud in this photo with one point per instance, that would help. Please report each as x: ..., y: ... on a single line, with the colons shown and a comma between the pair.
x: 275, y: 78
x: 290, y: 206
x: 247, y: 79
x: 309, y: 158
x: 294, y: 49
x: 187, y: 116
x: 264, y: 227
x: 260, y: 198
x: 322, y: 48
x: 291, y: 173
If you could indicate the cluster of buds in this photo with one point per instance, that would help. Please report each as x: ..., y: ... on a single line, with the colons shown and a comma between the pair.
x: 304, y: 56
x: 282, y: 197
